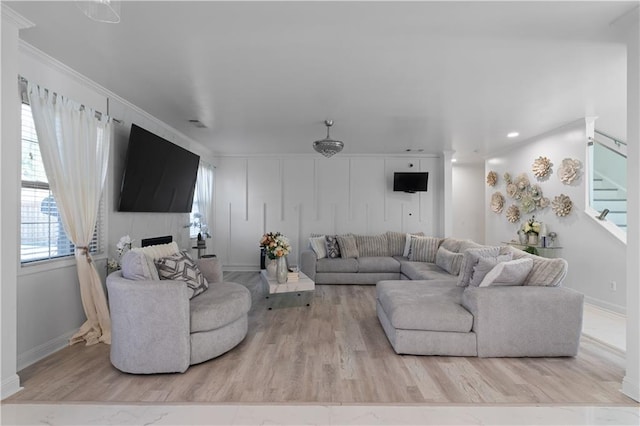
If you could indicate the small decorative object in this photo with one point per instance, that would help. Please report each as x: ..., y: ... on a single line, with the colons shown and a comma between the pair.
x: 497, y: 202
x: 513, y: 213
x: 276, y: 246
x: 527, y: 203
x: 522, y: 236
x: 522, y: 181
x: 507, y: 177
x: 551, y: 239
x: 512, y: 190
x: 281, y: 270
x: 532, y: 228
x: 569, y: 171
x: 541, y: 168
x: 543, y: 203
x: 562, y: 205
x: 123, y: 246
x: 492, y: 178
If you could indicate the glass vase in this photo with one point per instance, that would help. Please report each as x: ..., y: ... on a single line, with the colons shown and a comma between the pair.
x: 271, y: 267
x: 281, y: 270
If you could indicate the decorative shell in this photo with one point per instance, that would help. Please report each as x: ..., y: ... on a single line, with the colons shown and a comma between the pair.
x: 522, y: 181
x: 507, y: 177
x: 541, y: 167
x: 492, y: 178
x: 527, y: 204
x: 569, y: 171
x: 562, y: 205
x: 512, y: 190
x: 497, y: 202
x: 513, y: 213
x: 543, y: 203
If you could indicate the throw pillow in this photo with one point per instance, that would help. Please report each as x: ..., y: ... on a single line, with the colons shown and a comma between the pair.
x: 372, y: 245
x: 513, y: 272
x: 424, y: 249
x: 348, y: 247
x: 134, y: 266
x: 407, y: 242
x: 180, y: 267
x: 211, y: 269
x: 452, y: 244
x: 449, y: 261
x: 469, y: 260
x: 332, y: 247
x: 318, y: 246
x: 156, y: 252
x: 484, y: 265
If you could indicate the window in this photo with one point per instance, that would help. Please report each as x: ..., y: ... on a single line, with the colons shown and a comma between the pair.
x: 42, y: 235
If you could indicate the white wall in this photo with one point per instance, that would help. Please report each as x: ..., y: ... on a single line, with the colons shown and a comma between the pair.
x: 595, y: 257
x: 469, y: 202
x: 299, y: 195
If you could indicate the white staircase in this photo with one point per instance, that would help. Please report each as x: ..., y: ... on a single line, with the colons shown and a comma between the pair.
x: 607, y: 196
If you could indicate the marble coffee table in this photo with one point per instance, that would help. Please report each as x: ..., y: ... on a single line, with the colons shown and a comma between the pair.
x: 304, y: 284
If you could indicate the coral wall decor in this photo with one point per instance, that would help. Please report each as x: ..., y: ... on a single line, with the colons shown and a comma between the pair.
x: 562, y: 205
x: 492, y: 178
x: 513, y: 213
x: 497, y: 202
x: 541, y: 167
x: 570, y: 170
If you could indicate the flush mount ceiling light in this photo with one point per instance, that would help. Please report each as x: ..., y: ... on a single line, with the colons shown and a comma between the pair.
x: 101, y: 10
x: 328, y: 146
x: 513, y: 135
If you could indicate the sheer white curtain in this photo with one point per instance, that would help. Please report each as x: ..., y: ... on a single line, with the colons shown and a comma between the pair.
x: 75, y: 151
x: 204, y: 188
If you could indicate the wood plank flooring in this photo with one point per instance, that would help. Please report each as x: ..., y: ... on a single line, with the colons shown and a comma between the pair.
x: 333, y: 351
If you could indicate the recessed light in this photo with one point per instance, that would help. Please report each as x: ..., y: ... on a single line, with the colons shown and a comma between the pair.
x: 513, y: 135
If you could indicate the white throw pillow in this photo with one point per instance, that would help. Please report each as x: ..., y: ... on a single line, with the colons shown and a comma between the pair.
x: 513, y: 273
x: 318, y: 246
x: 158, y: 251
x: 484, y: 266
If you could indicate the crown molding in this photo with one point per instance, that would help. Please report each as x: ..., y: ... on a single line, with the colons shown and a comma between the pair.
x: 18, y: 20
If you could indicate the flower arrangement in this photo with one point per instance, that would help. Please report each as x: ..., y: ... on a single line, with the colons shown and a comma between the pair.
x: 275, y: 245
x: 531, y: 226
x: 123, y: 246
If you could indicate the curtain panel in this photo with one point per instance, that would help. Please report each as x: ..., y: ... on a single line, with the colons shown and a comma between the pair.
x: 74, y: 141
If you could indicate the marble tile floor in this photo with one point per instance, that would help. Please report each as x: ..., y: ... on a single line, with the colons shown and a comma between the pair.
x: 104, y: 414
x: 605, y: 326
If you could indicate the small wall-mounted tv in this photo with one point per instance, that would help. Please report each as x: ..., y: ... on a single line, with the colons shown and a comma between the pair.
x: 410, y: 181
x: 159, y: 176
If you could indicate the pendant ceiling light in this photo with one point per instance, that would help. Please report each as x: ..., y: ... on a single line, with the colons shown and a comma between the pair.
x: 328, y: 146
x: 101, y: 10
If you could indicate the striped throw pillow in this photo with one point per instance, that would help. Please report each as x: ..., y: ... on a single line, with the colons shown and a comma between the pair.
x: 424, y: 249
x: 372, y: 245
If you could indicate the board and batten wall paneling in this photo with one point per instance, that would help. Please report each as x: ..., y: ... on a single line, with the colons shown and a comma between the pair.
x: 300, y: 195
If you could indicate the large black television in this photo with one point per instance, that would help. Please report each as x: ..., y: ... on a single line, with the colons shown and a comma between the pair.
x: 410, y: 181
x: 159, y: 176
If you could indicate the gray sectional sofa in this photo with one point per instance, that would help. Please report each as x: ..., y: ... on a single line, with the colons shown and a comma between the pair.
x: 453, y: 299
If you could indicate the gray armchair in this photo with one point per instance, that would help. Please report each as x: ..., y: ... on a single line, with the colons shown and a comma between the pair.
x: 156, y: 328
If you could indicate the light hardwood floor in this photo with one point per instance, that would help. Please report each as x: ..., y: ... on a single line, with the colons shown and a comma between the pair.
x: 331, y: 352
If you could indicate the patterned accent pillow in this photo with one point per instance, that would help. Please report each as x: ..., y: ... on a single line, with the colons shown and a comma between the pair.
x: 332, y: 247
x: 156, y: 252
x: 449, y: 261
x: 513, y: 272
x: 318, y: 246
x: 348, y: 246
x: 470, y: 259
x: 424, y: 249
x: 180, y: 267
x: 372, y: 245
x: 484, y: 265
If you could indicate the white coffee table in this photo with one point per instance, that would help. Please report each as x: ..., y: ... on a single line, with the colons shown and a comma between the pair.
x: 304, y: 284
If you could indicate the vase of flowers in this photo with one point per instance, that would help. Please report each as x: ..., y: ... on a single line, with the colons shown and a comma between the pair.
x: 532, y: 228
x: 123, y: 246
x: 276, y: 246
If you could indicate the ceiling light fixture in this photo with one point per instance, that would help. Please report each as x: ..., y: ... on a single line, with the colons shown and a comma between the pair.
x: 513, y: 135
x: 101, y: 10
x: 328, y: 146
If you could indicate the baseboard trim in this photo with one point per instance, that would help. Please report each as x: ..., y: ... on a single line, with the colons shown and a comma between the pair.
x: 622, y: 310
x: 631, y: 389
x: 10, y: 386
x: 34, y: 355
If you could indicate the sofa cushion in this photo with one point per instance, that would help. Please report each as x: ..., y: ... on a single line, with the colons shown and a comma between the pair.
x: 545, y: 272
x: 513, y: 272
x: 135, y: 266
x: 332, y: 247
x: 452, y: 244
x: 424, y: 305
x: 211, y: 269
x: 407, y: 242
x: 470, y: 259
x: 337, y: 265
x: 218, y: 306
x: 448, y: 260
x: 397, y: 242
x: 484, y: 265
x: 424, y: 249
x: 180, y: 267
x: 372, y: 245
x: 378, y: 264
x: 318, y: 245
x: 157, y: 251
x: 425, y: 271
x: 348, y: 247
x: 467, y: 244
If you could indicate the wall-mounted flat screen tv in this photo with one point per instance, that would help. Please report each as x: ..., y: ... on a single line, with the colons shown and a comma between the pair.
x: 159, y: 176
x: 410, y: 181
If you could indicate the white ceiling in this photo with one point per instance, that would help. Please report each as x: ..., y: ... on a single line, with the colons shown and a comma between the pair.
x: 263, y: 76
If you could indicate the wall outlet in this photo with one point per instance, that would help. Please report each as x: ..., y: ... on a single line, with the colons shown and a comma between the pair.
x: 613, y: 286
